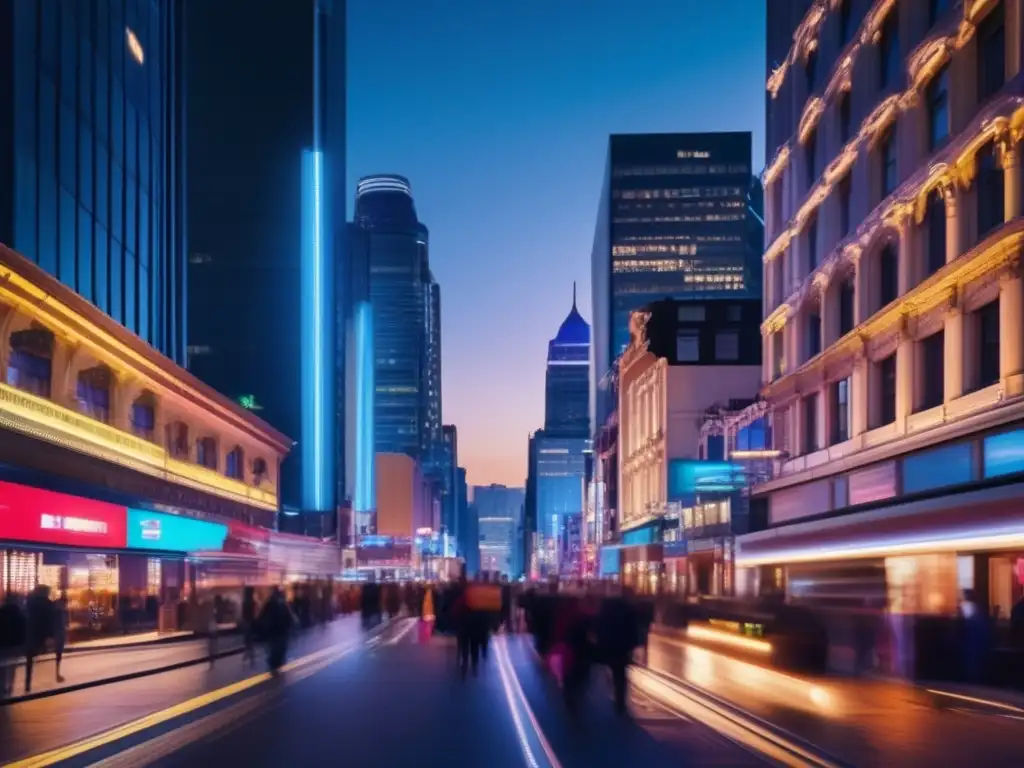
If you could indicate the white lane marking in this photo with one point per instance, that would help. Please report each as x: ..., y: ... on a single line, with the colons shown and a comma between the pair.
x: 399, y: 636
x: 524, y: 742
x: 505, y: 659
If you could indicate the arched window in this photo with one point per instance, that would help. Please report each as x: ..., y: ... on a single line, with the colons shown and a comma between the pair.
x: 144, y: 415
x: 206, y: 452
x: 93, y: 392
x: 235, y: 464
x: 935, y: 225
x: 259, y: 471
x: 30, y: 368
x: 177, y: 440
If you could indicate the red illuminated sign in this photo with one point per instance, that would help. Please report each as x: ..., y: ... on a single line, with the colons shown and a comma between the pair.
x: 46, y: 517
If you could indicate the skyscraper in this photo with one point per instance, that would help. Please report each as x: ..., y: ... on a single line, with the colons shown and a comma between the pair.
x: 266, y: 218
x: 406, y: 318
x: 674, y: 221
x: 567, y: 381
x: 499, y: 511
x: 92, y: 176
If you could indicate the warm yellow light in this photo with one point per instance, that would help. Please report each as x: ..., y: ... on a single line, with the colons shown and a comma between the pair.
x: 40, y: 418
x: 707, y: 634
x: 812, y: 555
x: 134, y: 46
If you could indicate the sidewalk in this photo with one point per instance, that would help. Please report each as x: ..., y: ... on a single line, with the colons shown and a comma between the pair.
x: 30, y: 727
x: 78, y: 669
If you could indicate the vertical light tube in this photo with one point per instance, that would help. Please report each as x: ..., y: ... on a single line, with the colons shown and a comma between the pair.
x: 317, y: 373
x: 365, y: 491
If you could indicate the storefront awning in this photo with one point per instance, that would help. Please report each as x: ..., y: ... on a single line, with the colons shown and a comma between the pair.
x: 973, y: 521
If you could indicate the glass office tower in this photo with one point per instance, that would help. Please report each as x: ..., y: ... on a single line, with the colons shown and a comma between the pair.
x: 92, y: 184
x: 674, y: 221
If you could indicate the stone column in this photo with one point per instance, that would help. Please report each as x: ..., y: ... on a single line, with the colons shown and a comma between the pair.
x: 123, y: 392
x: 62, y: 391
x: 954, y: 229
x: 862, y: 289
x: 908, y: 256
x: 953, y: 361
x: 904, y: 379
x: 767, y: 355
x: 796, y: 423
x: 823, y: 418
x: 1011, y: 330
x: 860, y: 394
x: 829, y: 309
x: 1010, y: 158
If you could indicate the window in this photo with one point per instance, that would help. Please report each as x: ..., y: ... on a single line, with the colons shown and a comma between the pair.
x: 235, y: 463
x: 991, y: 53
x: 889, y: 50
x: 990, y: 201
x: 845, y: 118
x: 987, y: 329
x: 93, y: 392
x: 811, y: 157
x: 811, y: 231
x: 888, y: 276
x: 932, y: 370
x: 887, y: 390
x: 813, y: 335
x: 846, y: 307
x: 727, y: 346
x: 691, y: 313
x: 845, y: 21
x: 887, y: 153
x: 688, y: 346
x: 935, y: 10
x: 843, y: 190
x: 811, y: 70
x: 144, y: 417
x: 206, y: 452
x: 810, y: 405
x: 935, y: 224
x: 29, y: 367
x: 840, y: 407
x: 937, y: 99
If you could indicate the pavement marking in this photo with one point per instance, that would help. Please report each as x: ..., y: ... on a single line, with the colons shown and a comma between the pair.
x: 399, y: 636
x: 510, y: 681
x: 975, y: 700
x: 54, y: 756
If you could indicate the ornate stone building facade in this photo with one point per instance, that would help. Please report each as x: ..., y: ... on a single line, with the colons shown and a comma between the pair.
x: 894, y: 313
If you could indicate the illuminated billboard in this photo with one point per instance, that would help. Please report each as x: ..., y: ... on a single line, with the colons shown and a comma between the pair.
x: 173, y: 533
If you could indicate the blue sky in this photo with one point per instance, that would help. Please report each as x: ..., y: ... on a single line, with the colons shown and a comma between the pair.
x: 499, y: 113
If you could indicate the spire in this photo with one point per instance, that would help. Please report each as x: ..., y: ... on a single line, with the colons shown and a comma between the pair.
x: 574, y: 294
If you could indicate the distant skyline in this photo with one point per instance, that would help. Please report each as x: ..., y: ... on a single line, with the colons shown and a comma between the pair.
x: 499, y: 115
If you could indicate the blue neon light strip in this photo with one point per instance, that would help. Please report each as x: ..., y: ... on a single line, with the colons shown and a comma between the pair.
x: 364, y: 498
x: 316, y: 444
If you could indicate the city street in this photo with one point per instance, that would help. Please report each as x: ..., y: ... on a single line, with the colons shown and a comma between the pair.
x: 385, y: 699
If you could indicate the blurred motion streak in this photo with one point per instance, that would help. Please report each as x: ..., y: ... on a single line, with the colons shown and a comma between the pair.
x: 710, y: 670
x: 514, y: 693
x: 745, y: 731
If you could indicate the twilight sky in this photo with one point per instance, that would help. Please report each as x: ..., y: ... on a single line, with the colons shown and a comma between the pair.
x: 498, y: 112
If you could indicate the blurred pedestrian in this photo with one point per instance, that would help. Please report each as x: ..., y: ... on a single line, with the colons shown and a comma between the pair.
x: 60, y: 632
x: 276, y: 621
x: 248, y: 626
x: 12, y: 641
x: 39, y: 615
x: 619, y: 633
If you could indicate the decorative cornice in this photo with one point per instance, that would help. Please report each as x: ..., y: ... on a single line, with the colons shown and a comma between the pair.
x: 999, y: 251
x: 947, y: 171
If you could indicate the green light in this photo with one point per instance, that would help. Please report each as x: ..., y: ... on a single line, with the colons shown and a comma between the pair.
x: 249, y: 403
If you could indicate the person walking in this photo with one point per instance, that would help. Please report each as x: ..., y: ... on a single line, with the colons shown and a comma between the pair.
x: 39, y: 614
x: 12, y: 641
x: 276, y: 621
x: 248, y: 627
x: 60, y: 632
